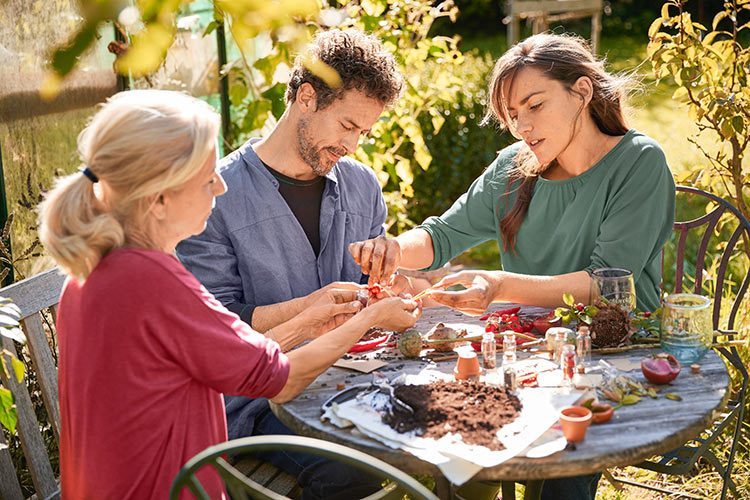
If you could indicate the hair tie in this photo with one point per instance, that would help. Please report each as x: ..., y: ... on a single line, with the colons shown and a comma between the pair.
x: 88, y: 173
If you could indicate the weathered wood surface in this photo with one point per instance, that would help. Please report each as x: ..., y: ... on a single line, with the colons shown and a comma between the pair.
x: 36, y: 293
x: 31, y: 296
x: 10, y: 489
x: 634, y: 434
x: 28, y: 430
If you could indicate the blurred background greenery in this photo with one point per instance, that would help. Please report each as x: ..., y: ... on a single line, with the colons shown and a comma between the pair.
x: 426, y: 151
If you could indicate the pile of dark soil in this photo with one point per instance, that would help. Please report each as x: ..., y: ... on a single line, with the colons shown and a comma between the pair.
x: 472, y: 409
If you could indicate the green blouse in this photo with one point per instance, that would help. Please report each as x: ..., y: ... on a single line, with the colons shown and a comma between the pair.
x: 619, y: 213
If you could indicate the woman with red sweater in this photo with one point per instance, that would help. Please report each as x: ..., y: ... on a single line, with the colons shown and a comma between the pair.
x: 145, y: 351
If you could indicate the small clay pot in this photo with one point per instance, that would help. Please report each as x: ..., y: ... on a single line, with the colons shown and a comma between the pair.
x: 467, y: 365
x: 574, y: 421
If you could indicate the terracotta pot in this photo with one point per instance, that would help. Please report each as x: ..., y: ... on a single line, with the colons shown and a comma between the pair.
x: 467, y: 365
x: 574, y: 421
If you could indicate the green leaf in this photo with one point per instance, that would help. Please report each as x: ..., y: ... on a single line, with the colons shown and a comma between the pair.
x: 65, y: 58
x: 591, y: 311
x: 630, y: 399
x: 210, y: 28
x: 738, y: 124
x: 673, y: 396
x: 18, y: 368
x: 8, y: 416
x: 560, y: 312
x: 568, y: 299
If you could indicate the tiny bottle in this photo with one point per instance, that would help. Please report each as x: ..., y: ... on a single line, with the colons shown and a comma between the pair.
x: 509, y: 378
x: 583, y: 346
x: 568, y: 363
x: 509, y: 348
x: 489, y: 351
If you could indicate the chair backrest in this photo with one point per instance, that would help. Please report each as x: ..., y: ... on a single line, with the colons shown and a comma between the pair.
x: 37, y: 297
x: 716, y: 233
x: 241, y: 487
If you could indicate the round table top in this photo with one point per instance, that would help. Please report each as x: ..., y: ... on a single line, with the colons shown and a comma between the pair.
x: 635, y: 433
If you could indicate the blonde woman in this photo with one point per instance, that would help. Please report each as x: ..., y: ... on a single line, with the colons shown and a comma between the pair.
x: 145, y: 351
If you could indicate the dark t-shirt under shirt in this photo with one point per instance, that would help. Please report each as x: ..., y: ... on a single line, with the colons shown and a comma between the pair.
x: 303, y: 198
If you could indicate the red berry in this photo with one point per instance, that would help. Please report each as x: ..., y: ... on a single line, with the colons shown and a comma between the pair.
x: 579, y: 306
x: 647, y: 314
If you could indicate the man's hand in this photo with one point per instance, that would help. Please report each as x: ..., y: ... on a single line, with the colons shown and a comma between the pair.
x: 482, y: 288
x: 331, y: 308
x: 378, y: 257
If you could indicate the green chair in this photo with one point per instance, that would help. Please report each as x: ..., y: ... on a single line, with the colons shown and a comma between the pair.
x: 241, y: 487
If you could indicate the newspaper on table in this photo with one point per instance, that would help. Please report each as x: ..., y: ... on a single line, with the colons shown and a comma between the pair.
x: 457, y: 460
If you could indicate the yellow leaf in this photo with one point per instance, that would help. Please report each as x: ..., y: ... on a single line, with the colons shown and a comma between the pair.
x: 680, y: 95
x: 665, y: 12
x: 423, y: 156
x: 654, y: 28
x: 50, y: 86
x: 323, y: 71
x: 148, y: 50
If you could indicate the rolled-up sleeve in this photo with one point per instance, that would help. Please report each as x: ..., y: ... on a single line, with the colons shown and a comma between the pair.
x: 468, y: 222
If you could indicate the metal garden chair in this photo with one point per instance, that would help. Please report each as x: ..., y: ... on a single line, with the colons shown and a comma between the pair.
x: 691, y: 268
x: 241, y: 487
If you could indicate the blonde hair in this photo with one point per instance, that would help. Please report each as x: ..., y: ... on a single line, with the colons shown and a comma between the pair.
x: 141, y: 143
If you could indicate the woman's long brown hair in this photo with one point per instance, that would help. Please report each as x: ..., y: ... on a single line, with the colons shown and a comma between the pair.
x: 563, y: 58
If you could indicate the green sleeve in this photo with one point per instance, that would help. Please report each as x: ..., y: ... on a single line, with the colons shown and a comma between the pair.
x: 471, y: 220
x: 637, y: 223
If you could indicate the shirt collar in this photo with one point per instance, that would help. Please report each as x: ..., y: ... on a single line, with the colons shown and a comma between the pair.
x: 251, y: 159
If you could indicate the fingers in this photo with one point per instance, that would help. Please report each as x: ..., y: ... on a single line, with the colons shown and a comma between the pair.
x: 343, y: 296
x: 472, y: 301
x: 459, y: 278
x: 378, y: 259
x: 344, y: 285
x: 356, y: 250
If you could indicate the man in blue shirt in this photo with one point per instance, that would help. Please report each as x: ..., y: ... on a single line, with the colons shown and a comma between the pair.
x: 278, y: 238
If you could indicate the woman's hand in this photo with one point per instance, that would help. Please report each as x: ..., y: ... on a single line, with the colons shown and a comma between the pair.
x: 482, y: 289
x: 378, y: 257
x: 393, y: 313
x: 329, y: 308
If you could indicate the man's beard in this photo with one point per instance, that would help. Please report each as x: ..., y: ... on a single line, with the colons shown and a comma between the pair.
x: 311, y: 155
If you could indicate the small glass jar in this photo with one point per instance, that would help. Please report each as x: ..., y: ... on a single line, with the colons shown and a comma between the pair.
x: 561, y: 337
x: 489, y: 351
x: 568, y: 363
x: 509, y: 378
x: 686, y: 327
x: 583, y: 346
x: 509, y: 348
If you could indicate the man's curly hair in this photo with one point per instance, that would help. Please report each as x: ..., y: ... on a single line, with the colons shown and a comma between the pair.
x: 361, y: 61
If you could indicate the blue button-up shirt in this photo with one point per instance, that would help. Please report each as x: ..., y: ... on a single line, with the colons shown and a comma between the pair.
x: 254, y: 251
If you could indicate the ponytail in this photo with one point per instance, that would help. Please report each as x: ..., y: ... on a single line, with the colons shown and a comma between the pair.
x: 76, y: 229
x: 141, y: 144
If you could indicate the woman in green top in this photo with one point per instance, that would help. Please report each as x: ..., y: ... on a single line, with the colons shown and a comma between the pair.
x: 579, y: 191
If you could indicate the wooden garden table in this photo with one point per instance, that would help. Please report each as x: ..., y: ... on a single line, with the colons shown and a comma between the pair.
x: 635, y: 433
